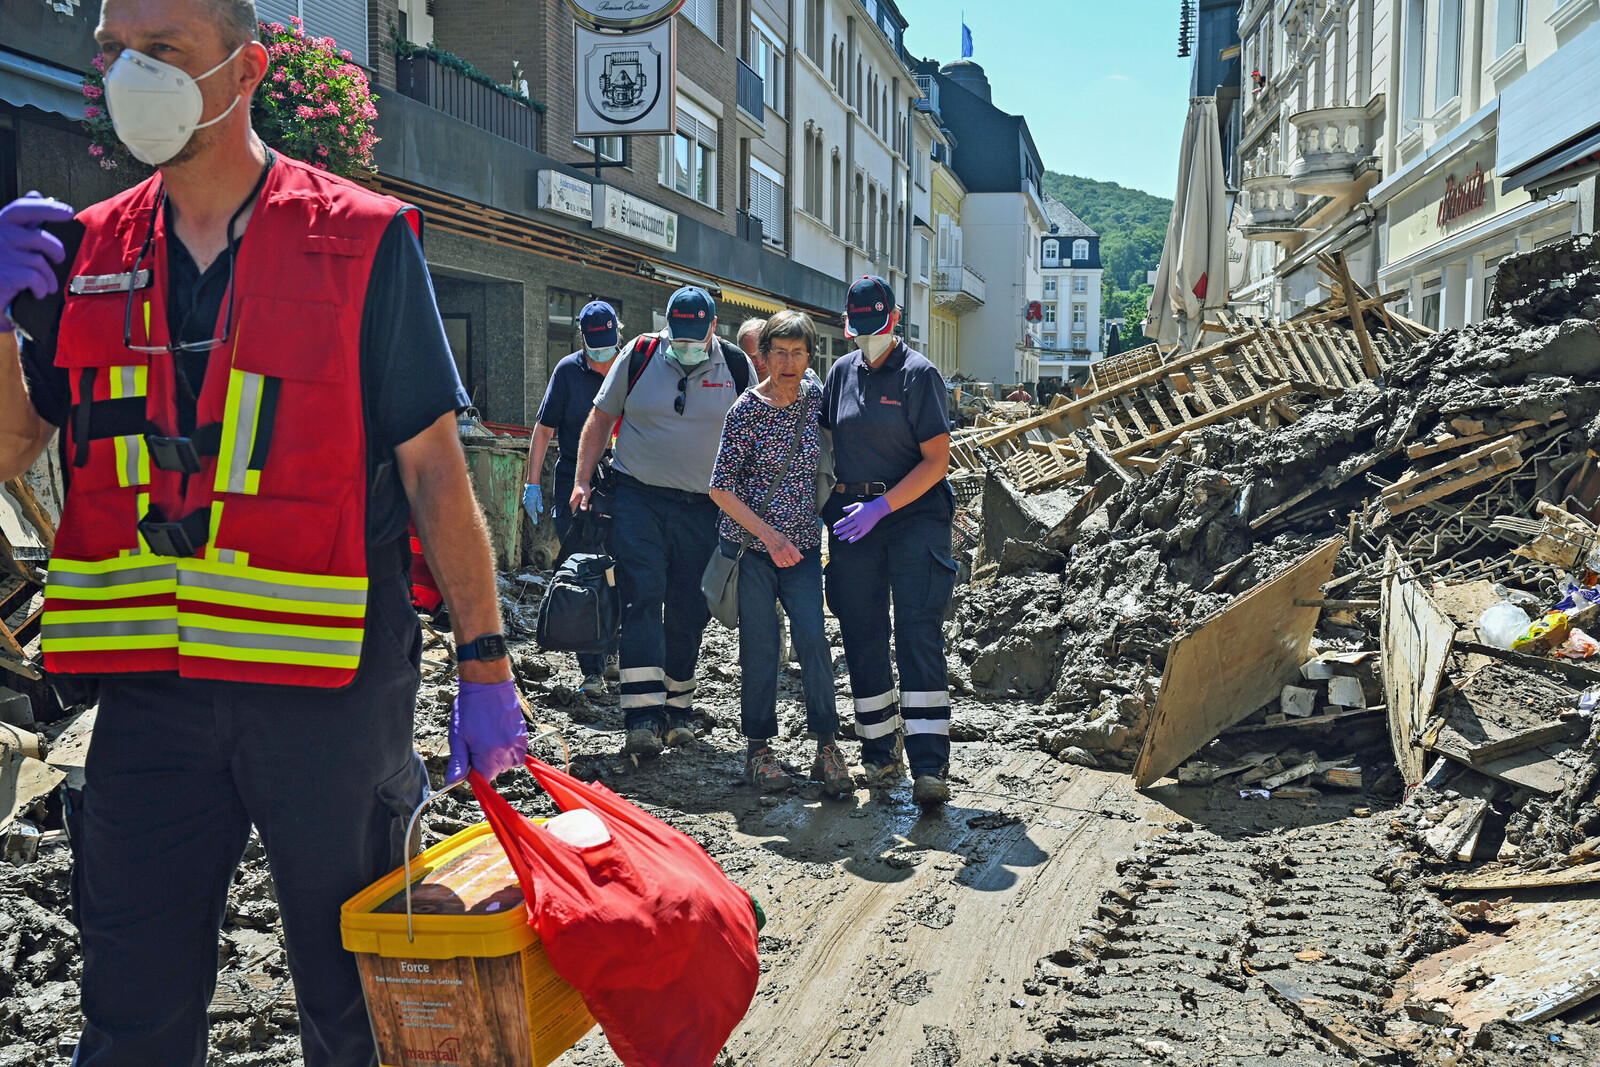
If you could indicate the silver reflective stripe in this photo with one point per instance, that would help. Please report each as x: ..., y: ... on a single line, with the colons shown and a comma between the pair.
x: 640, y: 674
x: 868, y: 730
x: 675, y: 686
x: 681, y: 700
x: 682, y: 693
x: 641, y: 700
x: 924, y: 726
x: 199, y: 635
x: 878, y: 703
x: 246, y: 416
x: 913, y: 699
x: 60, y: 631
x: 133, y: 444
x: 59, y: 575
x: 278, y: 590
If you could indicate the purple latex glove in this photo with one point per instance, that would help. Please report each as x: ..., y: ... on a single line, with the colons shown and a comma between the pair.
x: 859, y: 519
x: 486, y: 730
x: 27, y: 252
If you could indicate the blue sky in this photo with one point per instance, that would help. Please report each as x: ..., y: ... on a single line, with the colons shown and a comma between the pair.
x: 1099, y: 81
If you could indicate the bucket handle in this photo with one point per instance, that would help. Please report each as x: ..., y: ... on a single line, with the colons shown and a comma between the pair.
x: 411, y: 828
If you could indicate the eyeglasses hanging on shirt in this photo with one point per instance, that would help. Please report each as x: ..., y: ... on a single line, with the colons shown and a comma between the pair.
x: 683, y: 394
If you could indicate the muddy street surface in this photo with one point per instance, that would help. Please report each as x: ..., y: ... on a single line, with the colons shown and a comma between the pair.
x: 1049, y: 915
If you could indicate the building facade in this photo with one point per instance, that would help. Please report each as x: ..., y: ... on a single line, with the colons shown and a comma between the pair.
x: 1002, y: 221
x: 956, y: 288
x: 1069, y: 262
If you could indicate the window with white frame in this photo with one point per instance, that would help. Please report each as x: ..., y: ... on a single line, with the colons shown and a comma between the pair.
x: 1080, y: 284
x: 1049, y: 287
x: 1052, y: 253
x: 703, y: 13
x: 1508, y: 20
x: 1080, y: 315
x: 924, y: 254
x: 1080, y: 249
x: 766, y: 201
x: 1411, y: 63
x: 814, y: 28
x: 766, y: 56
x: 1080, y: 341
x: 610, y: 147
x: 1049, y: 313
x: 689, y: 157
x: 1447, y: 64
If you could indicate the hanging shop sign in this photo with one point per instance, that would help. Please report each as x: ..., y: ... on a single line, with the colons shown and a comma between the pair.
x: 1035, y: 311
x: 566, y: 195
x: 624, y: 14
x: 640, y: 220
x: 1461, y: 197
x: 626, y: 83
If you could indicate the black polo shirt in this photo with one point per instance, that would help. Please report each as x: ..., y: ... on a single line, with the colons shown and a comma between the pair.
x: 881, y: 417
x: 568, y: 403
x: 408, y: 378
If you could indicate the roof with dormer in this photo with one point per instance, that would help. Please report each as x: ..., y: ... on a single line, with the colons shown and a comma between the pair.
x: 1066, y: 223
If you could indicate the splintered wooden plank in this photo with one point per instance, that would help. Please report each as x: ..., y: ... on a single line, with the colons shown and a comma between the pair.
x: 1358, y: 318
x: 1499, y: 461
x: 32, y: 510
x: 1230, y: 411
x: 1448, y: 444
x: 1220, y: 383
x: 1416, y: 646
x: 1186, y: 409
x: 1241, y: 367
x: 1105, y: 415
x: 1236, y: 661
x: 1125, y: 401
x: 1153, y: 398
x: 1202, y: 396
x: 1337, y: 345
x: 1335, y: 371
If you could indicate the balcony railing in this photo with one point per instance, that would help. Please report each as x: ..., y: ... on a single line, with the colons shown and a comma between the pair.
x: 752, y: 96
x: 425, y: 80
x: 1272, y: 206
x: 958, y: 289
x: 1332, y: 143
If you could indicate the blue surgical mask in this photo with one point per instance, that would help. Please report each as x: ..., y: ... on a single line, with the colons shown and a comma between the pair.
x: 601, y: 355
x: 691, y: 353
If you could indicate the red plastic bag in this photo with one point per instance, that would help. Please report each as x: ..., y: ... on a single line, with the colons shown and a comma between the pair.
x: 645, y: 926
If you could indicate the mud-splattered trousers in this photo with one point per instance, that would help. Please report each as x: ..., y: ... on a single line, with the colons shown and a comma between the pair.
x: 178, y: 771
x: 905, y: 560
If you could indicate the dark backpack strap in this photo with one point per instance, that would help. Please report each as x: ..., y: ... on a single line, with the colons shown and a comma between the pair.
x: 640, y: 357
x: 739, y: 368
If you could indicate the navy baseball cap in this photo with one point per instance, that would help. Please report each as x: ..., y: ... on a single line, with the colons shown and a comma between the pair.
x: 868, y: 307
x: 690, y: 313
x: 598, y: 321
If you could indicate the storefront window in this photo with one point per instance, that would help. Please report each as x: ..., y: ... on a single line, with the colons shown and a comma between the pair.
x: 1430, y: 311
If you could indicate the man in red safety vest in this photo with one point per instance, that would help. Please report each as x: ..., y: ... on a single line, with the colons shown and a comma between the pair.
x: 254, y: 395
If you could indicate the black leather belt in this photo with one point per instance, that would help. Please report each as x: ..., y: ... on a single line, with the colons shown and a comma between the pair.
x: 862, y: 488
x: 682, y: 496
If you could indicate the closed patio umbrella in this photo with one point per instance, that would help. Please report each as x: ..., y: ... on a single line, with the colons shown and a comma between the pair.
x: 1193, y: 274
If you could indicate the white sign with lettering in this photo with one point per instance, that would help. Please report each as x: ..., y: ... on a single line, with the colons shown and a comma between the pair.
x: 624, y: 14
x: 567, y: 195
x: 628, y: 216
x: 627, y: 83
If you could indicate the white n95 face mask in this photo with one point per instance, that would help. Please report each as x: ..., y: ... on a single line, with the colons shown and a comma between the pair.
x: 691, y: 353
x: 874, y: 345
x: 155, y: 107
x: 601, y: 355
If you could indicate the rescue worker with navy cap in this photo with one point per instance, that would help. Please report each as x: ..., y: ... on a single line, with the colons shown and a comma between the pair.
x: 890, y: 519
x: 667, y: 396
x: 568, y: 400
x: 254, y: 394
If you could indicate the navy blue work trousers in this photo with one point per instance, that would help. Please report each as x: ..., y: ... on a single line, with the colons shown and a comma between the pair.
x: 662, y: 545
x: 761, y: 585
x: 905, y: 560
x: 177, y: 773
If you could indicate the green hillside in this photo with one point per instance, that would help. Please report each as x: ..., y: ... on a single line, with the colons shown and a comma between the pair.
x: 1132, y: 225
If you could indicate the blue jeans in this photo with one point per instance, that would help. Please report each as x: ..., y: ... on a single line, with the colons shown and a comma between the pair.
x: 662, y: 545
x: 906, y: 558
x: 761, y: 586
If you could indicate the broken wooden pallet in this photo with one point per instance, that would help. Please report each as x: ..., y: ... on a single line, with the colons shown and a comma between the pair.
x: 1482, y: 463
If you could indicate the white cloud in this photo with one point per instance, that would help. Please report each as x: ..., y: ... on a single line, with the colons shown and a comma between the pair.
x: 1118, y: 78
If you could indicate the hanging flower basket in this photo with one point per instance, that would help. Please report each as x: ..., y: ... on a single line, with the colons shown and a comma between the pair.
x: 314, y: 104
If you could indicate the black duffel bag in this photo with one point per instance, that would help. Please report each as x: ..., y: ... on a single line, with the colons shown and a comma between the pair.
x: 582, y: 608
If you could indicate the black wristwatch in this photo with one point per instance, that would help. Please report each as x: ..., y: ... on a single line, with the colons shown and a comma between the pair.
x: 489, y: 646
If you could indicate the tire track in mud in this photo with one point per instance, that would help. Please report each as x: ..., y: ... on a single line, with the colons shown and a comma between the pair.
x: 1176, y: 967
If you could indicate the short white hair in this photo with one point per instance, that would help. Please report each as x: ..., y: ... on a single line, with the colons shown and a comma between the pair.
x: 748, y: 327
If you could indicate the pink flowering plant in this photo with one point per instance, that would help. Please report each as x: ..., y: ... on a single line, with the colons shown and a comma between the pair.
x: 314, y: 104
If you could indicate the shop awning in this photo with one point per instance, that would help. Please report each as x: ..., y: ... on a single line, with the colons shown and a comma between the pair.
x: 746, y: 299
x: 1550, y: 117
x: 27, y: 82
x: 1577, y: 160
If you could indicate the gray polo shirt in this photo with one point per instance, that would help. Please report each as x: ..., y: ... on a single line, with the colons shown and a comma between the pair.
x: 657, y: 445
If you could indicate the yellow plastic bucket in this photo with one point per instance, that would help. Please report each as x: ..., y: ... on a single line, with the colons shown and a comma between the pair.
x: 475, y: 986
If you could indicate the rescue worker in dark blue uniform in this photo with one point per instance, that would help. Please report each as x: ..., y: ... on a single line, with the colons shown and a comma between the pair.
x: 568, y: 402
x: 890, y: 519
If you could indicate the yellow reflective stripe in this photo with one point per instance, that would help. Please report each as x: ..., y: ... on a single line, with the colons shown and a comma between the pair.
x: 104, y: 644
x: 162, y: 587
x: 341, y: 634
x: 240, y: 418
x: 153, y: 612
x: 271, y: 603
x: 264, y: 574
x: 264, y: 655
x: 140, y: 510
x: 147, y: 322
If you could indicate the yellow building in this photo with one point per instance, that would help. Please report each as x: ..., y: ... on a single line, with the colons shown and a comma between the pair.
x: 949, y: 302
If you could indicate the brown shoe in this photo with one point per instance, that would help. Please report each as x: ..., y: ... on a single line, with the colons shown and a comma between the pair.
x: 762, y: 771
x: 832, y: 771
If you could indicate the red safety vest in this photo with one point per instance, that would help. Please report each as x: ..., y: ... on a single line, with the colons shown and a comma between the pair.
x: 275, y: 589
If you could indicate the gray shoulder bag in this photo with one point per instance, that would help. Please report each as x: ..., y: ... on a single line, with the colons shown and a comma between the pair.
x: 720, y: 582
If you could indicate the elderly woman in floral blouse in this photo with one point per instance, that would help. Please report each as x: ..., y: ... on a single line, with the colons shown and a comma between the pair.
x: 784, y: 561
